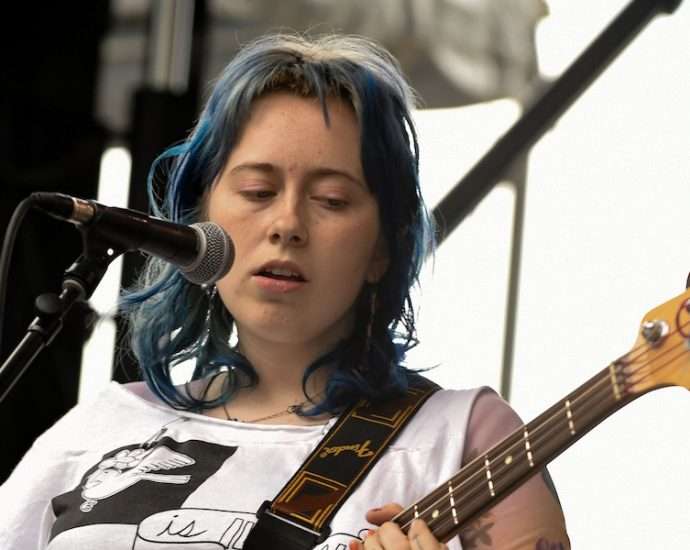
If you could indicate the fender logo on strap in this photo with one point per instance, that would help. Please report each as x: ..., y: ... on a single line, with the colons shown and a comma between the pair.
x: 299, y: 516
x: 360, y: 449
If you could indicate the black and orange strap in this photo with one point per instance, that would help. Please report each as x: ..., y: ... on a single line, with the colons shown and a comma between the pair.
x: 299, y: 516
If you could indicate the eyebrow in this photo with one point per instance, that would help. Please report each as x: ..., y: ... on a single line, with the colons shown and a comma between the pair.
x: 268, y: 168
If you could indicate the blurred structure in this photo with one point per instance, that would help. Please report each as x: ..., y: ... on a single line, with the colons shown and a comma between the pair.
x: 455, y: 52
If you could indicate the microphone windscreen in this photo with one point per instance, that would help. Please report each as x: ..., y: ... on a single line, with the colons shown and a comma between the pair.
x: 216, y: 254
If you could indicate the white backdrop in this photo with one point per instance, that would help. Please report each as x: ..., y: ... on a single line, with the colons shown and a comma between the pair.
x: 606, y: 240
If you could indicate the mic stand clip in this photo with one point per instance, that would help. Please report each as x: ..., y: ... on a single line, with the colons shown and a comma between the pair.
x: 79, y: 282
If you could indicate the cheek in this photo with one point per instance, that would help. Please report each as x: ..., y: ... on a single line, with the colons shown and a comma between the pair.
x: 350, y: 256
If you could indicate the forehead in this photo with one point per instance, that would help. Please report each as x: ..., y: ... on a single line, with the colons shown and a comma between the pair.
x: 283, y: 122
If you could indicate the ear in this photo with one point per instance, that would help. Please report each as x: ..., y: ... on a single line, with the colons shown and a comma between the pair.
x: 379, y: 261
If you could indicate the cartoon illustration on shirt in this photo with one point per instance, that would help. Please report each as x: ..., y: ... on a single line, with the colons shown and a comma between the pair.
x: 128, y: 467
x: 151, y: 493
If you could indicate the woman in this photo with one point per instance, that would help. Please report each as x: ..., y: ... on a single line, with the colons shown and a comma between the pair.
x: 306, y: 155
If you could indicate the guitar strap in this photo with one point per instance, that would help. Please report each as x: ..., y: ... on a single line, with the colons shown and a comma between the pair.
x: 299, y: 517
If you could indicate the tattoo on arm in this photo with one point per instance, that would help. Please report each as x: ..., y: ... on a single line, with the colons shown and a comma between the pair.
x: 477, y: 534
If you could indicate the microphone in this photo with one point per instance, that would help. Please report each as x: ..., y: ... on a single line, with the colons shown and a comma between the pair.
x: 202, y: 251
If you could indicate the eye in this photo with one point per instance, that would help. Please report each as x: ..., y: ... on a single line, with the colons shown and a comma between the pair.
x: 332, y: 203
x: 257, y: 195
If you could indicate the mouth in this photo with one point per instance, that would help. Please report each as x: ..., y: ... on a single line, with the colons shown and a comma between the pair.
x: 281, y: 271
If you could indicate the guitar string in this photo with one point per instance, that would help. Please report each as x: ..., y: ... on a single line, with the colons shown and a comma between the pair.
x: 476, y: 492
x: 537, y: 435
x: 443, y: 516
x: 445, y: 523
x: 476, y: 483
x: 548, y: 424
x: 497, y: 473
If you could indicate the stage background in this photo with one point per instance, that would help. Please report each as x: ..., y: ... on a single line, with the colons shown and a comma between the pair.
x: 604, y: 234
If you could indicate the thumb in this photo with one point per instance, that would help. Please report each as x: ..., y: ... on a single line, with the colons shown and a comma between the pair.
x: 385, y: 513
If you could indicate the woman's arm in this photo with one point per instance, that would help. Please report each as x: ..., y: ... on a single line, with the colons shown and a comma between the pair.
x: 530, y: 518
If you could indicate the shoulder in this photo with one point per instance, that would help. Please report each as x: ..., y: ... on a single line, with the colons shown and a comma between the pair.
x: 490, y: 409
x: 480, y: 404
x: 118, y: 407
x: 443, y: 417
x: 453, y: 403
x: 490, y: 421
x: 479, y: 417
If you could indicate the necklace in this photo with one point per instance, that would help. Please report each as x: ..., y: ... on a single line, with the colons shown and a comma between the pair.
x: 292, y: 409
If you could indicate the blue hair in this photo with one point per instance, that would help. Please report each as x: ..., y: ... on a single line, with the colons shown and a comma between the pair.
x: 172, y: 320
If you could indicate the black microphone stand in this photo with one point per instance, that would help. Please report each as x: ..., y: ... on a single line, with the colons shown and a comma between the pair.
x: 79, y: 282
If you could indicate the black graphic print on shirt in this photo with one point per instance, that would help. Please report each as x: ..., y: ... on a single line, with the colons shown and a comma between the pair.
x: 131, y: 483
x: 143, y: 488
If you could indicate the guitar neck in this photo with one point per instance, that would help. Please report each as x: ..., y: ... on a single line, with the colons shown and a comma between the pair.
x: 660, y: 358
x: 497, y: 472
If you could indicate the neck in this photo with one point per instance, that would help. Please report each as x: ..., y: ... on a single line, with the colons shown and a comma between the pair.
x: 280, y: 369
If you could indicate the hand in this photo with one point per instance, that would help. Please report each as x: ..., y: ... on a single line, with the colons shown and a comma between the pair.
x: 390, y: 537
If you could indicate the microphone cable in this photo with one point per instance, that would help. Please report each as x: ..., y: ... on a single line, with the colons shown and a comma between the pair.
x: 6, y: 255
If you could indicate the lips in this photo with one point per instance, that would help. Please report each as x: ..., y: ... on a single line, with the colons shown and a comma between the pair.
x: 280, y: 277
x: 282, y: 271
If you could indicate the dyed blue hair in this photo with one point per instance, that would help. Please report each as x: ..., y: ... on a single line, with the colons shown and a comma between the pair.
x: 172, y: 321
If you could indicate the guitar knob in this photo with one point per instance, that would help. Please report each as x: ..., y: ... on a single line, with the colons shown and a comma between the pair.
x: 654, y: 331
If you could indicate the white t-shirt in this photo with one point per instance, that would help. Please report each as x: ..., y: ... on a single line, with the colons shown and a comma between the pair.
x: 126, y: 472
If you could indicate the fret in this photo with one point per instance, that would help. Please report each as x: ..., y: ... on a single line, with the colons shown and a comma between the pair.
x: 569, y: 416
x: 490, y: 482
x: 614, y: 381
x: 528, y: 446
x: 451, y: 498
x: 491, y: 476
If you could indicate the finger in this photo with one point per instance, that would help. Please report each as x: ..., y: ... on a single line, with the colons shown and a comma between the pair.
x: 418, y: 544
x: 391, y: 536
x: 377, y: 516
x: 422, y: 538
x: 372, y: 542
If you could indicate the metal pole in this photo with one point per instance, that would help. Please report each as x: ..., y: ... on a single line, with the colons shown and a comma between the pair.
x: 170, y: 48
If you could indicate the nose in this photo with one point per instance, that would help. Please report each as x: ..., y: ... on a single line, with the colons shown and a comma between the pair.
x: 289, y: 227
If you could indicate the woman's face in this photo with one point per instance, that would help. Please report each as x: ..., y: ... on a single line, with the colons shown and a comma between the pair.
x: 293, y: 199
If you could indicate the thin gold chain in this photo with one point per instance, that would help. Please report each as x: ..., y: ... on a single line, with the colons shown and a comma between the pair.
x: 292, y: 409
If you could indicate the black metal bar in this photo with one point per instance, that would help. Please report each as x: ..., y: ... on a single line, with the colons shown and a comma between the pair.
x: 39, y: 335
x: 482, y: 177
x: 79, y: 282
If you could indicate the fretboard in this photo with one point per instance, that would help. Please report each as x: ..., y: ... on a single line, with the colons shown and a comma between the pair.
x: 497, y: 472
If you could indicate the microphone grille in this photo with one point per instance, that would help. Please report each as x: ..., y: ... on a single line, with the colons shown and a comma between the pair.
x: 216, y: 254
